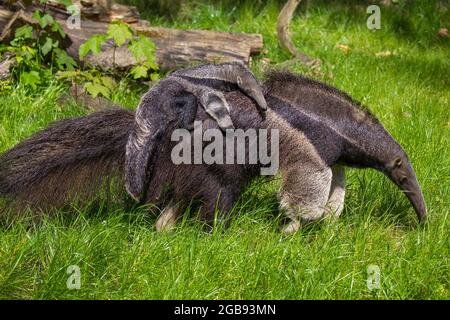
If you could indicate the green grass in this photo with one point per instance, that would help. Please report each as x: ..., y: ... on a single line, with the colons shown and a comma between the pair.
x: 121, y: 255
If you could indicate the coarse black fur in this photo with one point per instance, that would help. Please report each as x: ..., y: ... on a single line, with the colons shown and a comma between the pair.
x: 68, y: 160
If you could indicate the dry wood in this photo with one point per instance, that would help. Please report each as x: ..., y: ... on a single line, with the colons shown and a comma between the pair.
x: 5, y: 16
x: 14, y: 21
x: 103, y: 10
x: 184, y: 47
x: 284, y: 35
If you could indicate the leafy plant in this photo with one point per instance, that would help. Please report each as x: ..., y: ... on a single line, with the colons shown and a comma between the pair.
x: 143, y: 50
x: 37, y: 50
x: 5, y: 86
x: 38, y: 53
x: 94, y: 81
x: 141, y: 47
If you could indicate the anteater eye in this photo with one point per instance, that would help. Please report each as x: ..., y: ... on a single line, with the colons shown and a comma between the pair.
x: 403, y: 179
x: 398, y: 162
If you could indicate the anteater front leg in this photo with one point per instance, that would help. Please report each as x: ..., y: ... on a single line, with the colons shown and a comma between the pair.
x: 304, y: 194
x: 336, y: 199
x: 168, y: 218
x: 218, y: 203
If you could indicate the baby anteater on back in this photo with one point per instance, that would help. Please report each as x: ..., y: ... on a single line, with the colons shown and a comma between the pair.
x: 176, y: 99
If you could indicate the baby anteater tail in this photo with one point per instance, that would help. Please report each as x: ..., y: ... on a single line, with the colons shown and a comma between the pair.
x: 70, y: 159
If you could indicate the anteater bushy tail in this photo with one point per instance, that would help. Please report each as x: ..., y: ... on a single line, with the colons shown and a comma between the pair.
x: 71, y: 158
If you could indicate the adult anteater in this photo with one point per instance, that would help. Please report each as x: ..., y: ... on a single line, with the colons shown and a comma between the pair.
x: 321, y: 130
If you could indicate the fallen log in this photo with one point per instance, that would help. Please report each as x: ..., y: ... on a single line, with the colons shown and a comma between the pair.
x: 184, y: 47
x: 175, y: 48
x: 102, y: 10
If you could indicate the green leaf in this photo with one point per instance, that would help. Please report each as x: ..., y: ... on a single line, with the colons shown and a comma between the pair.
x: 28, y: 51
x: 143, y: 49
x: 139, y: 72
x: 154, y: 76
x: 151, y: 65
x: 67, y: 3
x: 119, y: 32
x: 47, y: 47
x: 95, y: 88
x: 45, y: 20
x: 37, y: 15
x: 93, y: 44
x: 5, y: 86
x: 31, y: 78
x: 91, y: 75
x: 108, y: 82
x: 56, y: 27
x: 25, y: 32
x: 64, y: 60
x: 64, y: 75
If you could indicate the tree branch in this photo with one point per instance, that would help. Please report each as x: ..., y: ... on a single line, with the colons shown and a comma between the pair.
x: 284, y: 36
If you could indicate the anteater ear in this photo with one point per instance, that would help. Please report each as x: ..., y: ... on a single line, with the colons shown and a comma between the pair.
x: 217, y: 107
x: 398, y: 162
x: 213, y: 102
x: 142, y: 144
x: 239, y: 81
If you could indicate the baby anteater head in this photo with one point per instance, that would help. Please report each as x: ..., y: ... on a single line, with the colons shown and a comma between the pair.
x: 248, y: 84
x: 218, y: 75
